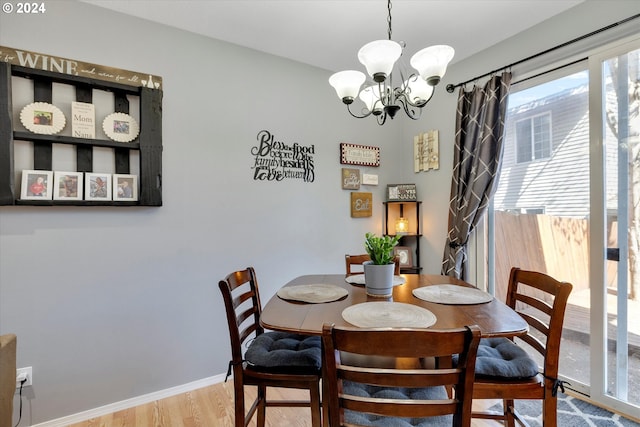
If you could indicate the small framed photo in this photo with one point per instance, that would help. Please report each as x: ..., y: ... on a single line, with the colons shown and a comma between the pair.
x: 404, y: 254
x: 36, y: 185
x: 42, y: 118
x: 97, y: 186
x: 125, y: 187
x: 67, y: 185
x: 120, y: 127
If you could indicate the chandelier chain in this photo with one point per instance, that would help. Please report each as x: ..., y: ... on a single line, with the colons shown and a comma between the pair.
x: 389, y: 17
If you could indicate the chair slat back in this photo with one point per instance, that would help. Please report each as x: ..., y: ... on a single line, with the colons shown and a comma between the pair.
x: 243, y: 308
x: 399, y: 345
x: 549, y: 301
x: 358, y: 260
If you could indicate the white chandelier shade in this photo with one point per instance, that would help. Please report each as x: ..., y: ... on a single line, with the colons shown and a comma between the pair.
x: 347, y: 84
x: 380, y: 97
x: 371, y: 98
x: 419, y: 90
x: 379, y: 57
x: 432, y: 62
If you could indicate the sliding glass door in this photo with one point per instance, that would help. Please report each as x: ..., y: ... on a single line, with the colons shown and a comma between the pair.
x: 615, y: 130
x: 568, y: 204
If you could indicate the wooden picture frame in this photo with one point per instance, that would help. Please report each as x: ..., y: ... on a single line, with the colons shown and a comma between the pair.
x: 36, y: 185
x: 350, y: 179
x: 361, y: 205
x: 405, y: 255
x: 97, y: 186
x: 363, y: 155
x: 125, y: 187
x: 67, y: 185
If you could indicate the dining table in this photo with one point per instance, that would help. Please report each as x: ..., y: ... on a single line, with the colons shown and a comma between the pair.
x: 339, y: 296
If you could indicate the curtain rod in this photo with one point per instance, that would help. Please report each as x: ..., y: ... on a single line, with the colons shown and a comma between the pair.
x: 451, y: 87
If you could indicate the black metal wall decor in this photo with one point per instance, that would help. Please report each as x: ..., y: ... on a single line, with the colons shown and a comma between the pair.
x: 277, y: 160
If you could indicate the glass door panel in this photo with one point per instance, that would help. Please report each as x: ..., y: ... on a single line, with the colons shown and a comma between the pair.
x: 541, y: 206
x: 621, y: 141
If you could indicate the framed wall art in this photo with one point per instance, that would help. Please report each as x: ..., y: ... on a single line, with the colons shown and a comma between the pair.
x: 404, y: 254
x: 67, y: 185
x: 97, y: 186
x: 361, y: 204
x: 350, y: 179
x: 125, y: 187
x: 120, y: 127
x: 351, y: 154
x: 401, y: 192
x: 36, y: 185
x: 42, y: 118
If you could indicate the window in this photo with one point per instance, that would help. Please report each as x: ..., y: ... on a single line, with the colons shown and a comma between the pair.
x: 533, y: 138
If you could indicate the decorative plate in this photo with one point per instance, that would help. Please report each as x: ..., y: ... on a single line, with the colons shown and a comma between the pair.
x: 388, y: 315
x: 42, y: 118
x: 120, y: 127
x: 358, y: 279
x: 452, y: 294
x: 313, y: 293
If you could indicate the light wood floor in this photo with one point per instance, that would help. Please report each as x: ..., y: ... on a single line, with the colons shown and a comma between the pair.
x: 211, y: 407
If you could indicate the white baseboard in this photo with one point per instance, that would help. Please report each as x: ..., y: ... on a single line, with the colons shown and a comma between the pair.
x: 130, y: 403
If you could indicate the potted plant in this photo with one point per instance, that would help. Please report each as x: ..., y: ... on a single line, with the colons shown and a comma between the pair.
x: 378, y: 273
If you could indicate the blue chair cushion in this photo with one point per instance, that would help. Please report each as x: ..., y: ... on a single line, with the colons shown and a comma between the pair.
x: 282, y: 350
x: 366, y: 419
x: 501, y: 357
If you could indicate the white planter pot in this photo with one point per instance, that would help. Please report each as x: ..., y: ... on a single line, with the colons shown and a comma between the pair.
x: 378, y: 279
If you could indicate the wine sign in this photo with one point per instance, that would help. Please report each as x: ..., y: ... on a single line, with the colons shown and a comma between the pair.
x: 39, y: 61
x: 277, y: 160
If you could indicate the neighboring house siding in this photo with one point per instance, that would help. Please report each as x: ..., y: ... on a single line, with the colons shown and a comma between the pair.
x: 558, y: 184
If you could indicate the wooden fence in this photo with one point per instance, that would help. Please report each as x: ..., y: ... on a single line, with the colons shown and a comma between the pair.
x: 554, y: 245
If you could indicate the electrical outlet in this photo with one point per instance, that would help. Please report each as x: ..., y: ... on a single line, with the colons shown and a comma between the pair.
x: 24, y: 373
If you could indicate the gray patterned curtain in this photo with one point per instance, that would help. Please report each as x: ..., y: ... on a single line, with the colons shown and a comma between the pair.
x: 476, y: 163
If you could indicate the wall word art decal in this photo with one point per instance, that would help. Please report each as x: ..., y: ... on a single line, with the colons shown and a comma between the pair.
x: 277, y: 160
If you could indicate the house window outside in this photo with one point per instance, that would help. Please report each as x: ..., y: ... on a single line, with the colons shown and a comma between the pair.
x: 533, y: 138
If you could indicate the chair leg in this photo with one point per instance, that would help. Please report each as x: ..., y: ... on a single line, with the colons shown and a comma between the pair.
x: 550, y: 411
x: 238, y: 404
x: 262, y: 405
x: 509, y: 409
x: 315, y: 405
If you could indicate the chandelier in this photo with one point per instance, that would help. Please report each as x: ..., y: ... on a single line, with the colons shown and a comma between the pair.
x: 380, y: 97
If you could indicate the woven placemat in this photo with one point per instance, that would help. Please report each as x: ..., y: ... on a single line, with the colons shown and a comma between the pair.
x: 314, y: 293
x: 386, y: 314
x: 452, y: 294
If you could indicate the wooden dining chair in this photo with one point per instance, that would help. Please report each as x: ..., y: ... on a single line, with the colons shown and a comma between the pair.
x: 541, y: 301
x: 355, y: 394
x: 271, y: 359
x: 358, y: 260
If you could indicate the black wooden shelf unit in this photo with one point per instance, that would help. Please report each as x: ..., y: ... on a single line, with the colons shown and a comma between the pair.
x: 148, y: 143
x: 394, y: 210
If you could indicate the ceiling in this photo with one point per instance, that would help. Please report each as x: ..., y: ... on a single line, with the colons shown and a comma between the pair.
x: 329, y: 33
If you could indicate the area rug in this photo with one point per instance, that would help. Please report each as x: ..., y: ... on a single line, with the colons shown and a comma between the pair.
x: 572, y: 412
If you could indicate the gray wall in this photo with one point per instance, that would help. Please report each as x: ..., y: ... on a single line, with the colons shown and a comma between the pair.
x: 114, y: 303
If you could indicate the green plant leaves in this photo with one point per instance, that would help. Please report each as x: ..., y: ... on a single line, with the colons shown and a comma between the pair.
x: 380, y: 249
